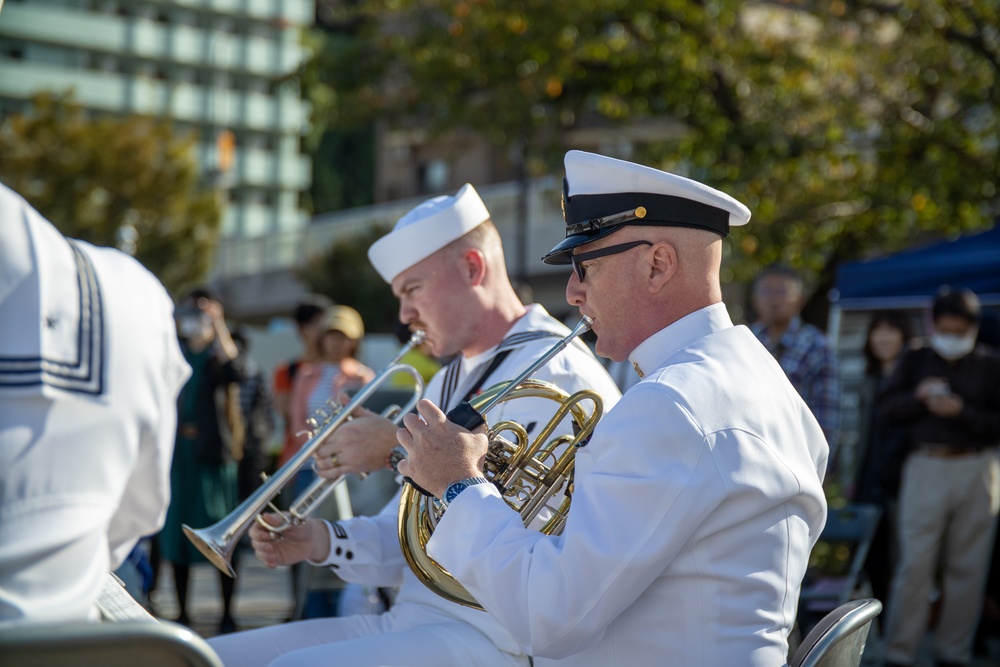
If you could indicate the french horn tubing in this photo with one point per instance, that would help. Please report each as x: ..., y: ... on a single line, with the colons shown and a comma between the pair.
x: 218, y: 541
x: 535, y: 477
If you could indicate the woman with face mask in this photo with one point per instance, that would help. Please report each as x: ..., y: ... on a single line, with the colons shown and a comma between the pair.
x: 947, y: 397
x: 208, y: 445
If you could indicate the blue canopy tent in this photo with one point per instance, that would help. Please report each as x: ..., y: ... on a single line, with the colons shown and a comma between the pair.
x: 910, y: 279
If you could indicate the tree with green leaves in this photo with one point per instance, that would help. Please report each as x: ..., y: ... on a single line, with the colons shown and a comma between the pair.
x: 849, y: 128
x: 114, y: 181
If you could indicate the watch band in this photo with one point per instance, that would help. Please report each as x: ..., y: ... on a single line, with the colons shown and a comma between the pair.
x: 456, y: 488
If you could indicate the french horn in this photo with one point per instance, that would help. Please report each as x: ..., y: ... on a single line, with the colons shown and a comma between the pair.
x: 534, y: 476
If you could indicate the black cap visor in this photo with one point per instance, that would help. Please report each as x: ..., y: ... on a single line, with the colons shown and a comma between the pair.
x: 564, y: 249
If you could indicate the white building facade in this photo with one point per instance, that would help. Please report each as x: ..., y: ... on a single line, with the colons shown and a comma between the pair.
x: 218, y: 67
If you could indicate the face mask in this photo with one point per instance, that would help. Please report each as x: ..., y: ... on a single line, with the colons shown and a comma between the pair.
x: 953, y: 346
x: 191, y: 327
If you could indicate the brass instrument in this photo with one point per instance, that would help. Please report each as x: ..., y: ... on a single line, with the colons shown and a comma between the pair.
x: 218, y: 541
x: 535, y: 478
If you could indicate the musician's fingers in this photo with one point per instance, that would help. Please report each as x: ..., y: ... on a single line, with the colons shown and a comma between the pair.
x: 412, y: 422
x: 429, y: 412
x: 264, y: 552
x: 273, y: 519
x: 259, y: 534
x: 404, y: 438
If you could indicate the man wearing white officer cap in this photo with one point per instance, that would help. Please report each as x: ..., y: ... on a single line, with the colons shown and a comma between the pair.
x: 445, y: 262
x: 699, y: 496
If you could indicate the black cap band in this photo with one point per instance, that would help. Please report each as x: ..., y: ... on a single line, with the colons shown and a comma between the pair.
x: 585, y: 213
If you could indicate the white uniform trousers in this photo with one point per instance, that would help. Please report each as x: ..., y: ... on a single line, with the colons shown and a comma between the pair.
x: 947, y: 515
x: 406, y: 636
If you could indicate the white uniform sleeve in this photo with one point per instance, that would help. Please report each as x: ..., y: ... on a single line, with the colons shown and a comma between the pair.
x: 365, y: 550
x: 632, y: 511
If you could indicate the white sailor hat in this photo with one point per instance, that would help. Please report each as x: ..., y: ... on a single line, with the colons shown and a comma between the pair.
x: 426, y: 229
x: 601, y: 195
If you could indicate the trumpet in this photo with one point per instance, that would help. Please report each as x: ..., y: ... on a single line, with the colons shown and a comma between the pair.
x: 534, y: 478
x: 218, y: 541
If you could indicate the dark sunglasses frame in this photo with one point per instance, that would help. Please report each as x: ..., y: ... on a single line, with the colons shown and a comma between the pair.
x: 578, y: 260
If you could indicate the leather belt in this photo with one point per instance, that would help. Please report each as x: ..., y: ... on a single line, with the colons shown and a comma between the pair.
x: 945, y: 451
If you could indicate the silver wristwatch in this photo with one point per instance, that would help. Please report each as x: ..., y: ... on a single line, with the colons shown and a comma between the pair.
x: 456, y: 488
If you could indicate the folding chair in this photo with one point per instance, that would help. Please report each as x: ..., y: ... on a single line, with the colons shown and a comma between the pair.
x: 836, y: 563
x: 121, y: 644
x: 838, y: 640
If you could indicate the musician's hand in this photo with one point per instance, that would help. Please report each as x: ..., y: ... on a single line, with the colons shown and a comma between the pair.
x: 439, y: 452
x: 308, y: 541
x: 360, y: 445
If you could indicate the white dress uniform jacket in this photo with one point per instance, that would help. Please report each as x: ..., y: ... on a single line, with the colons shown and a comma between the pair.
x: 696, y: 505
x: 90, y: 368
x: 366, y: 549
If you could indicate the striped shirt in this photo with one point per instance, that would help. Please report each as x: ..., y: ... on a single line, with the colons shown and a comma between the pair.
x: 811, y: 365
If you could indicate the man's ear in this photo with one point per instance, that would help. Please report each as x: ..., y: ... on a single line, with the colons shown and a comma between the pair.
x: 662, y: 265
x: 473, y: 266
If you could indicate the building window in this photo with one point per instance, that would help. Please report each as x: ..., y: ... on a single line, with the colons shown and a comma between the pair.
x: 432, y: 176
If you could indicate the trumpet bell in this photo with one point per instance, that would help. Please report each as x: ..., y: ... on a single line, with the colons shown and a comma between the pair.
x: 534, y: 477
x: 214, y: 545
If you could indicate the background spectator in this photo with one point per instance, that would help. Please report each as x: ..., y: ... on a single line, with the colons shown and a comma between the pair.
x: 947, y: 396
x: 209, y: 443
x: 307, y: 315
x: 882, y: 444
x: 257, y: 410
x: 801, y: 349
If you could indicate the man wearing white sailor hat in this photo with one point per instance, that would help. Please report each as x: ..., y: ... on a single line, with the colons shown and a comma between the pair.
x: 698, y: 498
x: 444, y: 260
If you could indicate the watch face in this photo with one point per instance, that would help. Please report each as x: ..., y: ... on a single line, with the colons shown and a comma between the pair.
x: 454, y: 490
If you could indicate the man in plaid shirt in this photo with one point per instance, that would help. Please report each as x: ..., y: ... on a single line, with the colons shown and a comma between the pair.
x: 801, y: 349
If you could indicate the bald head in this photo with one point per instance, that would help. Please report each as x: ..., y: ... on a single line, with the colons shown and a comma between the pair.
x: 634, y: 292
x: 682, y: 269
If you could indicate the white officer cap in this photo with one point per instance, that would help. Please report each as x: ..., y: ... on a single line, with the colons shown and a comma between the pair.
x: 602, y: 194
x: 426, y: 229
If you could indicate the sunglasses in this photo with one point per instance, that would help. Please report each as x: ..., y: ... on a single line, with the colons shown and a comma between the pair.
x: 578, y: 260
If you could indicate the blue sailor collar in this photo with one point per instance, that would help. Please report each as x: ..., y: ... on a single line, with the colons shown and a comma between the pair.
x: 653, y: 352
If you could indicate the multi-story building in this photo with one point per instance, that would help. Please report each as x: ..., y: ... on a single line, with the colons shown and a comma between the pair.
x: 219, y: 67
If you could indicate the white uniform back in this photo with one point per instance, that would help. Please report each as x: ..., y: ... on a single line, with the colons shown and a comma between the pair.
x: 90, y: 368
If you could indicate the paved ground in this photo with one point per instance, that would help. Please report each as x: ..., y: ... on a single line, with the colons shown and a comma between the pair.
x: 263, y: 597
